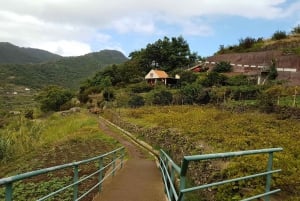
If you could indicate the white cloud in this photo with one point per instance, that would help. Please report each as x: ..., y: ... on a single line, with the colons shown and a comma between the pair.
x: 137, y: 25
x: 62, y: 24
x: 64, y: 47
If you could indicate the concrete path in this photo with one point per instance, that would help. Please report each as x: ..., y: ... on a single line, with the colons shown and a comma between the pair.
x: 138, y: 180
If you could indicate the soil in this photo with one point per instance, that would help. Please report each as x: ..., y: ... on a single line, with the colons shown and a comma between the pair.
x: 264, y: 58
x: 138, y: 180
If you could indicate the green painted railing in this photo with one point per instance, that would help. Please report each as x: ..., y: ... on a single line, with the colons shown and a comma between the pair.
x: 111, y: 167
x: 174, y: 176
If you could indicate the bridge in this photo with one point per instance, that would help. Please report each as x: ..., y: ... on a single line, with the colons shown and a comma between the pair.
x: 138, y: 178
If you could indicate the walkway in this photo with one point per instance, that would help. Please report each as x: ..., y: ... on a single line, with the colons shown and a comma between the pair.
x: 138, y: 180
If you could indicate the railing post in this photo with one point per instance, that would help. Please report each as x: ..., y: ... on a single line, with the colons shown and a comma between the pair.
x: 75, y: 179
x: 269, y: 176
x: 182, y: 185
x: 100, y: 173
x: 114, y: 163
x: 8, y: 191
x: 122, y: 157
x: 172, y: 180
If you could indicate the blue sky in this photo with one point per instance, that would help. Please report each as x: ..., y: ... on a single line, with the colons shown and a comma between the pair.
x: 77, y: 27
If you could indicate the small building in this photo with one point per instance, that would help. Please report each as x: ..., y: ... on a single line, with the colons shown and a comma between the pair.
x: 156, y: 76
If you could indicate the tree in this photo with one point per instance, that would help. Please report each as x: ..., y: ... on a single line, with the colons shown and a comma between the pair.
x: 53, y: 97
x: 166, y: 54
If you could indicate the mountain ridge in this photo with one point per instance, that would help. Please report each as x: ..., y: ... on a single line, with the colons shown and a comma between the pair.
x: 65, y: 71
x: 10, y: 53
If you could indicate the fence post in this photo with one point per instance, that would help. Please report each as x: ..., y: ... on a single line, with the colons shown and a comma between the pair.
x: 100, y: 173
x: 122, y: 157
x: 75, y: 179
x: 182, y: 185
x: 172, y: 180
x: 8, y: 192
x: 269, y: 176
x: 114, y: 163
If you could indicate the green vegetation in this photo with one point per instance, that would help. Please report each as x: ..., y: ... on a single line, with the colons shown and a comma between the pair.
x: 27, y: 145
x: 10, y: 53
x: 66, y: 72
x: 184, y: 130
x: 280, y: 40
x: 222, y: 67
x: 54, y: 98
x: 278, y: 35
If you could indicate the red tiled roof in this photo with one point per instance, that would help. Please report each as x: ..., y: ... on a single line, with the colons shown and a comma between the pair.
x: 161, y: 74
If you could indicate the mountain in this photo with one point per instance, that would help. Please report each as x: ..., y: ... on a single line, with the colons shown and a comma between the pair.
x: 10, y: 53
x: 67, y: 71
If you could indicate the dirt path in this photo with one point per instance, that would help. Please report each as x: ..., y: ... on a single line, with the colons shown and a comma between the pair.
x: 138, y: 180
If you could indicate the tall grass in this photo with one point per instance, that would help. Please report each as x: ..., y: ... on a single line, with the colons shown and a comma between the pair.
x: 22, y: 135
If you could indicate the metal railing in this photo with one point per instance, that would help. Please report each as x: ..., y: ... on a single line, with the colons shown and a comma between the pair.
x: 174, y: 175
x: 117, y: 154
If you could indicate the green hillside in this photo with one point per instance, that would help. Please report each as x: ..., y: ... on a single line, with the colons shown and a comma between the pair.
x: 10, y: 53
x: 67, y: 72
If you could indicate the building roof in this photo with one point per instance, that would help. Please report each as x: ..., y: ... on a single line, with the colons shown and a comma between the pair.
x: 156, y: 74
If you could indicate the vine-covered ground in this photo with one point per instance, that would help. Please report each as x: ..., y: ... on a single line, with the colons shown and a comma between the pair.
x: 184, y: 130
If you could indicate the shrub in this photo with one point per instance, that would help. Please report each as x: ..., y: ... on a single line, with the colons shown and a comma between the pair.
x: 296, y: 30
x: 52, y: 98
x: 28, y: 114
x: 222, y: 67
x: 278, y: 35
x: 108, y: 95
x: 194, y: 93
x: 162, y: 98
x: 213, y: 79
x: 141, y: 87
x: 238, y: 80
x: 247, y: 43
x: 136, y: 101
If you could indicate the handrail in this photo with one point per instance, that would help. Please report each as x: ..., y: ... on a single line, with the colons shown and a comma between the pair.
x: 8, y: 182
x: 168, y: 167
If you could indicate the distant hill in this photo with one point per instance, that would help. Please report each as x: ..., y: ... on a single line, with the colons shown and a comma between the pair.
x: 67, y: 71
x: 10, y: 53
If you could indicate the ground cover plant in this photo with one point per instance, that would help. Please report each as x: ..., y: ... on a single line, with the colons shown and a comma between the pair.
x: 28, y: 145
x: 184, y: 130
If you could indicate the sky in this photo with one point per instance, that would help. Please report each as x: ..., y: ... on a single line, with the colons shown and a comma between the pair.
x: 77, y: 27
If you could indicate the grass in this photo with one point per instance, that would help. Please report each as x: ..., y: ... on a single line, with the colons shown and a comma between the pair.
x: 56, y: 140
x: 224, y: 131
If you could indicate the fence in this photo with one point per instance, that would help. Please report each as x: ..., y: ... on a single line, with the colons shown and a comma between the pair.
x: 172, y: 173
x: 111, y: 166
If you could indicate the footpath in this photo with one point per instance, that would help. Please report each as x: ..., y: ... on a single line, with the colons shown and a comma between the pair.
x: 138, y: 180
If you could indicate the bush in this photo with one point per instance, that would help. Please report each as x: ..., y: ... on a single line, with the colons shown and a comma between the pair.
x: 296, y: 30
x: 213, y: 79
x: 52, y: 98
x: 237, y: 80
x: 136, y: 101
x: 247, y: 43
x: 108, y: 95
x: 194, y: 93
x: 162, y: 98
x: 141, y: 87
x: 222, y: 67
x: 278, y: 35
